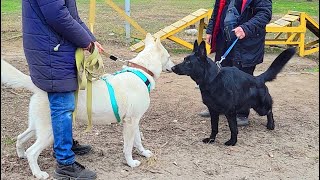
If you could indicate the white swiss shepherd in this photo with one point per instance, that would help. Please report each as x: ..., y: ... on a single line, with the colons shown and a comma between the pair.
x: 131, y: 94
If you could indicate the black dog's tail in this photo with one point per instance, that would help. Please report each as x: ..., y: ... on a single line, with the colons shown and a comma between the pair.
x: 277, y: 65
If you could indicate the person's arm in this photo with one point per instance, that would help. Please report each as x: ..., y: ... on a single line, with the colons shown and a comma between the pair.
x: 263, y: 15
x: 58, y: 17
x: 87, y: 29
x: 212, y: 20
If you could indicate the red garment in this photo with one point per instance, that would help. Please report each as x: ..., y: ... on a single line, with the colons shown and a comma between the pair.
x: 216, y: 27
x: 243, y: 4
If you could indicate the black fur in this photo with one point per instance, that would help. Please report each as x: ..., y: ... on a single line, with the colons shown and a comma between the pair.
x: 229, y: 90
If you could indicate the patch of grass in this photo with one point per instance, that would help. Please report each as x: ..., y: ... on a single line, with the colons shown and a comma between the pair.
x: 179, y: 51
x: 9, y: 141
x: 10, y: 6
x: 316, y: 69
x: 283, y: 6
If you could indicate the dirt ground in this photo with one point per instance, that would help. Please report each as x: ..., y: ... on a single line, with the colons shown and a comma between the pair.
x: 173, y: 131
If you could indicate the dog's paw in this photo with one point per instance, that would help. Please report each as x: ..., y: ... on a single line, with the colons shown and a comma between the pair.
x: 41, y: 175
x: 208, y: 140
x: 270, y: 126
x: 134, y: 163
x: 231, y: 142
x: 146, y: 153
x: 22, y: 154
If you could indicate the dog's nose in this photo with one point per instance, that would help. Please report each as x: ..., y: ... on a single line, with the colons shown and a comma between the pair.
x: 173, y: 68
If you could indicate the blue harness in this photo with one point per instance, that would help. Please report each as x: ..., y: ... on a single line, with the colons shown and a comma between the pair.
x: 111, y: 90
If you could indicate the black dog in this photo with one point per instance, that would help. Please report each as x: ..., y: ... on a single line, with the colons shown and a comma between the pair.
x: 228, y: 90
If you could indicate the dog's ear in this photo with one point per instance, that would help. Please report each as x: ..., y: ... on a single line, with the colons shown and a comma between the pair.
x: 202, y: 52
x: 195, y: 46
x: 158, y: 42
x: 149, y: 40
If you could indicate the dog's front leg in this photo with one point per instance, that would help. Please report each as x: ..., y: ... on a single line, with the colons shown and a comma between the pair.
x: 129, y: 131
x: 214, y: 126
x: 232, y: 120
x: 138, y: 144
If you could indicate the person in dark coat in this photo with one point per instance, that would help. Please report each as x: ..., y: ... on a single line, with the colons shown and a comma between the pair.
x: 52, y: 31
x: 243, y: 19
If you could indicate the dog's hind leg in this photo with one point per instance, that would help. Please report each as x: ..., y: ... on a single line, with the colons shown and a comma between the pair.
x: 270, y: 123
x: 138, y: 144
x: 232, y: 120
x: 129, y: 131
x: 21, y: 139
x: 34, y: 151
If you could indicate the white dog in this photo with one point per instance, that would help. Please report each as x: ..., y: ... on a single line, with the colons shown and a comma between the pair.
x: 131, y: 93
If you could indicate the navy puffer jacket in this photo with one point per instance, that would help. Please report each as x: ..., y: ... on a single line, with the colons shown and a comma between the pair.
x: 47, y: 24
x: 253, y: 20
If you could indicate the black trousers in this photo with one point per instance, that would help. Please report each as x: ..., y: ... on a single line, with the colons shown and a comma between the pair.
x: 229, y: 63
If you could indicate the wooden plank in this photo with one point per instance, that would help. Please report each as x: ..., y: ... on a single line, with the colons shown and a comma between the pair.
x: 169, y: 29
x: 273, y: 25
x: 188, y: 18
x: 199, y: 12
x: 290, y: 18
x: 296, y: 13
x: 179, y: 23
x: 159, y: 34
x: 282, y: 22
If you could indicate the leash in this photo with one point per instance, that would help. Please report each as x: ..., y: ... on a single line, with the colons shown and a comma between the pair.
x: 89, y: 68
x: 226, y: 53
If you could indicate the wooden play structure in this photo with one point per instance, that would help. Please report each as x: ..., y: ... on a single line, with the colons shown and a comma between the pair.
x: 289, y: 30
x: 169, y: 31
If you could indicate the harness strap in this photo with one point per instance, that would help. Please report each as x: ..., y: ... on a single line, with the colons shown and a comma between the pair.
x: 113, y: 100
x: 112, y: 96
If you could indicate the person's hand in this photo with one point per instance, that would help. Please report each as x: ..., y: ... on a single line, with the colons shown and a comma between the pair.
x: 239, y: 32
x: 89, y: 47
x: 208, y: 38
x: 99, y: 46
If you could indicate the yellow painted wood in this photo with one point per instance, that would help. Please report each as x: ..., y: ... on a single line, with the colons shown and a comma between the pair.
x: 312, y: 43
x: 181, y: 42
x: 92, y: 13
x: 126, y: 17
x: 311, y: 51
x: 169, y: 31
x: 200, y: 30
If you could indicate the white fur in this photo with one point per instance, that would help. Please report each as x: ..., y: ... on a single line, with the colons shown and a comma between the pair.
x: 131, y: 93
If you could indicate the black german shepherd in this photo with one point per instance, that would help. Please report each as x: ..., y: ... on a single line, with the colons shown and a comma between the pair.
x: 228, y: 90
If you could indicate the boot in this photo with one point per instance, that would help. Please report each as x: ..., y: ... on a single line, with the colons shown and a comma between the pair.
x: 73, y: 171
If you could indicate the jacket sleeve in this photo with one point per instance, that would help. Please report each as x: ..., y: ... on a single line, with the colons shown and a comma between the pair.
x: 87, y: 29
x: 262, y: 16
x: 212, y: 20
x: 58, y: 17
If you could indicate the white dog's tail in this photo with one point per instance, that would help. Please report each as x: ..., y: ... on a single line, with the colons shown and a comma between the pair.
x: 16, y: 79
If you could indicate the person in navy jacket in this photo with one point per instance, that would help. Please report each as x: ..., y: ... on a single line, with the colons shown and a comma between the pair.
x: 249, y: 18
x: 52, y: 31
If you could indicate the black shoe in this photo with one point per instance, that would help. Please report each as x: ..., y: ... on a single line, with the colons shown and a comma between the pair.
x: 205, y: 113
x: 242, y: 121
x: 78, y: 149
x: 73, y: 171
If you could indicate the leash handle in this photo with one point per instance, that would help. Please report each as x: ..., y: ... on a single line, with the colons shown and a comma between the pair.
x: 228, y: 50
x: 112, y: 57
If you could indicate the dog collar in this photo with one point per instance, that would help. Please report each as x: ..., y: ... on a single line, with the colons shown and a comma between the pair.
x: 134, y: 65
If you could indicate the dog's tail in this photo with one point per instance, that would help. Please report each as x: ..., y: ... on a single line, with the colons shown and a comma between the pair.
x: 16, y: 79
x: 277, y: 65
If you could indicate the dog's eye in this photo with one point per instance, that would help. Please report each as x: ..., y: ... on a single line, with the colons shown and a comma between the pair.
x: 188, y: 62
